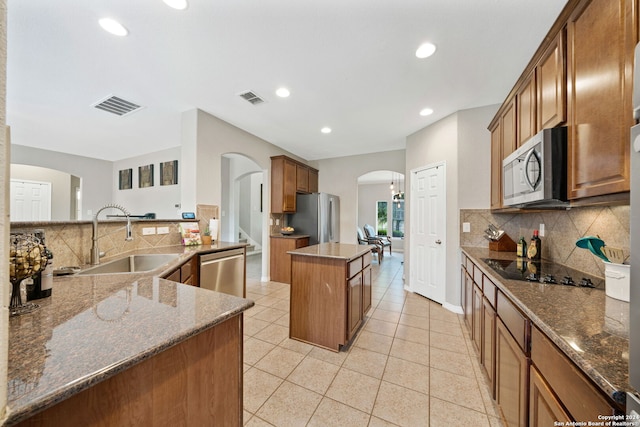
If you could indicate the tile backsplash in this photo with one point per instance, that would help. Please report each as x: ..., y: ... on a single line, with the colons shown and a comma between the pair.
x: 562, y: 229
x: 70, y: 242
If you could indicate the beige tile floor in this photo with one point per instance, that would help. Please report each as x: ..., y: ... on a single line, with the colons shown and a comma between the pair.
x: 411, y: 363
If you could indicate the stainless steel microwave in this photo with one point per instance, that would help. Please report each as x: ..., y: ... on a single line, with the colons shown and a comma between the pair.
x: 535, y: 175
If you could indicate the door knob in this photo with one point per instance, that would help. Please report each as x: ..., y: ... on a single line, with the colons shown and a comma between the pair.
x: 438, y: 242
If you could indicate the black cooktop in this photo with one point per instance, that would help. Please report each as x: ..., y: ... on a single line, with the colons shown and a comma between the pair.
x: 543, y: 272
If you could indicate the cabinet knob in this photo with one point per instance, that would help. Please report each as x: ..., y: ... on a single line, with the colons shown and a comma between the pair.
x: 438, y: 242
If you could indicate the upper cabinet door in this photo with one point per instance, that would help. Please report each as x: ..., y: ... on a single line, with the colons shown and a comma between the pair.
x: 526, y: 101
x: 496, y: 165
x: 552, y: 89
x: 508, y: 125
x: 302, y: 179
x: 600, y: 41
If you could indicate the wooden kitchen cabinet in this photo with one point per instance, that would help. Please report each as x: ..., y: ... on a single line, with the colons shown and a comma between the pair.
x: 512, y: 374
x: 476, y: 337
x: 496, y: 165
x: 600, y: 42
x: 566, y: 382
x: 187, y: 273
x: 467, y: 305
x: 544, y: 407
x: 551, y: 84
x: 329, y: 296
x: 197, y: 382
x: 289, y: 177
x: 283, y: 185
x: 280, y: 260
x: 526, y: 125
x: 302, y: 179
x: 488, y: 359
x: 508, y: 126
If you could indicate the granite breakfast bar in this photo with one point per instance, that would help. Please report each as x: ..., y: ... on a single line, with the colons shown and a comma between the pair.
x: 128, y: 349
x: 330, y: 293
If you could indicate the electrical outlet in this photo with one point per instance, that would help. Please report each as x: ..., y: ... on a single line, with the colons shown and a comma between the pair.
x: 466, y: 227
x: 541, y: 230
x: 163, y: 230
x: 270, y: 221
x: 146, y: 231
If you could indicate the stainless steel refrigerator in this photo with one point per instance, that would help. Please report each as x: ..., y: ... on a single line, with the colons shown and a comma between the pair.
x: 633, y: 398
x: 318, y: 215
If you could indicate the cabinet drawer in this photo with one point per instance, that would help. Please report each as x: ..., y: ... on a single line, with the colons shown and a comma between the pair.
x: 302, y: 243
x: 490, y: 291
x: 185, y: 271
x: 516, y: 322
x: 355, y: 267
x: 477, y: 276
x: 366, y: 259
x: 463, y: 261
x: 573, y: 388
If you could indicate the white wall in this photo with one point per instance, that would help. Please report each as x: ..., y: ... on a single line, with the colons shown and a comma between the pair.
x: 96, y: 175
x: 61, y: 203
x: 339, y: 176
x: 463, y: 142
x: 159, y: 199
x: 474, y: 157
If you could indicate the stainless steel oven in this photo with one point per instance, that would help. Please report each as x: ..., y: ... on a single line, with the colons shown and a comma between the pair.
x: 535, y: 175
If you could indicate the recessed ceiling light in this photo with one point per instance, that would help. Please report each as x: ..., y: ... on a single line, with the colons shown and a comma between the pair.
x: 114, y: 27
x: 325, y: 130
x: 426, y: 50
x: 283, y: 92
x: 426, y: 112
x: 177, y: 4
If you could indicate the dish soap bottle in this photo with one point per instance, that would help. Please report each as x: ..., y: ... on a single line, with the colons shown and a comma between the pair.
x: 534, y: 252
x: 521, y: 248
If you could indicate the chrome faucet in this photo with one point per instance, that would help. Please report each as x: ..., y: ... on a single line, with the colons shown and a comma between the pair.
x: 95, y: 252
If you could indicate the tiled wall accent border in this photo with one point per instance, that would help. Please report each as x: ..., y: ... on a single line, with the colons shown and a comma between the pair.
x: 562, y: 229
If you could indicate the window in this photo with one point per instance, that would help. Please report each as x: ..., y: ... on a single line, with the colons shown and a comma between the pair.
x: 381, y: 218
x: 397, y: 220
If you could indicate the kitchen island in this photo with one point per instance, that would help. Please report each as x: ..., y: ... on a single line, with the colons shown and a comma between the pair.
x: 128, y: 349
x: 330, y: 293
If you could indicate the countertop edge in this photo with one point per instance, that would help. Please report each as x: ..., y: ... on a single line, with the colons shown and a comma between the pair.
x: 306, y: 252
x: 73, y: 388
x: 616, y: 394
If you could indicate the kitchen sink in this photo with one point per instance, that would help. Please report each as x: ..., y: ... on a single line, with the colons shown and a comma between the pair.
x: 131, y: 264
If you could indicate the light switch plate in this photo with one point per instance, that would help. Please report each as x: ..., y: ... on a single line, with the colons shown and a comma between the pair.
x: 466, y: 227
x: 146, y: 231
x: 163, y: 230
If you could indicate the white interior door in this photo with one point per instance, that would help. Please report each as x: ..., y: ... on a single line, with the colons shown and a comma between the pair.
x: 428, y: 231
x: 30, y: 200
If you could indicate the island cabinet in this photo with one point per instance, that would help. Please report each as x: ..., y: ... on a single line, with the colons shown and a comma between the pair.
x: 289, y: 177
x: 330, y: 293
x: 197, y: 382
x: 600, y: 43
x: 280, y: 260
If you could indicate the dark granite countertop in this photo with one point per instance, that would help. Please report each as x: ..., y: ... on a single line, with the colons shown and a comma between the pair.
x: 289, y: 236
x: 591, y: 328
x: 93, y: 327
x: 333, y: 250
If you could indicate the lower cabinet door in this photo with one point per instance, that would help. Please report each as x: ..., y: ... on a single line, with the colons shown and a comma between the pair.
x: 477, y: 320
x: 512, y: 372
x: 489, y: 343
x: 366, y: 290
x: 354, y: 305
x: 544, y: 408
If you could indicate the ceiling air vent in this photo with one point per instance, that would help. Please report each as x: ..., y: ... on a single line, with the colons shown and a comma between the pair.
x: 118, y: 106
x: 251, y: 97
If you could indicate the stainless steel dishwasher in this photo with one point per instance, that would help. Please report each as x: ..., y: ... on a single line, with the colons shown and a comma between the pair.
x: 223, y: 271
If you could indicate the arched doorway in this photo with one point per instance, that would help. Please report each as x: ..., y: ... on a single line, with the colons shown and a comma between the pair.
x: 381, y: 204
x: 242, y: 207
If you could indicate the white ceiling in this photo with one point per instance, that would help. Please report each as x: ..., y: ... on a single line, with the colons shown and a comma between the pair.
x: 349, y: 65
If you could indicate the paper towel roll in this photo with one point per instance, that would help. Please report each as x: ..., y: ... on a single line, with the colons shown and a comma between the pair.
x: 213, y: 227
